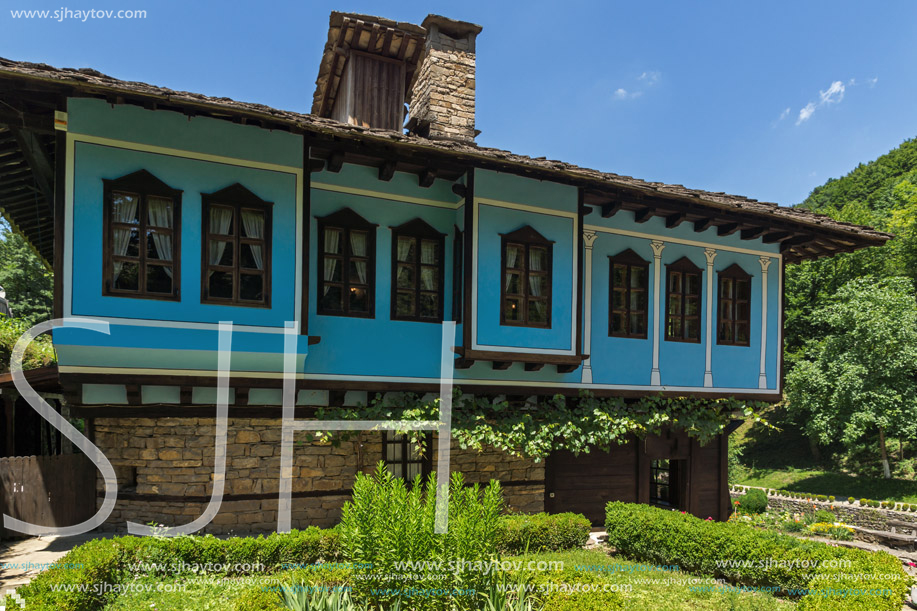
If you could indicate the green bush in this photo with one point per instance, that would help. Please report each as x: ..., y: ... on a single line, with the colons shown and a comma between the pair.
x: 257, y: 598
x: 40, y: 352
x: 111, y: 561
x: 851, y: 500
x: 653, y: 535
x: 584, y: 601
x: 753, y: 501
x: 831, y: 499
x: 821, y: 497
x: 386, y: 523
x: 864, y: 502
x: 823, y: 515
x: 542, y: 532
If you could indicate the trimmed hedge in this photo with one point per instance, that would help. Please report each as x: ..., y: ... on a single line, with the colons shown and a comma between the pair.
x: 753, y: 501
x: 111, y: 561
x: 542, y: 532
x: 760, y: 557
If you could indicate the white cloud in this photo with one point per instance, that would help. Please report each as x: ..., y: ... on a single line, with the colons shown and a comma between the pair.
x: 872, y: 82
x: 624, y: 94
x: 806, y: 112
x: 651, y: 77
x: 834, y: 93
x: 783, y: 115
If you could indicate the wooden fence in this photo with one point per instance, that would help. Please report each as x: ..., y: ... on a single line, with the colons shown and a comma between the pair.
x: 47, y: 490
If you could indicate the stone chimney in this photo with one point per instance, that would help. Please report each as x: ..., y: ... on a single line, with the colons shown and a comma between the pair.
x: 441, y: 103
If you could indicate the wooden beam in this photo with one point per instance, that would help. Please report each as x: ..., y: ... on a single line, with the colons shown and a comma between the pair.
x: 38, y: 160
x: 727, y: 229
x: 501, y: 365
x: 336, y: 161
x: 751, y: 234
x: 425, y: 179
x: 459, y: 189
x: 611, y: 208
x: 702, y: 224
x: 566, y: 368
x: 463, y: 363
x: 316, y: 165
x: 534, y: 366
x: 643, y: 215
x: 674, y: 220
x: 802, y: 239
x: 585, y: 210
x: 776, y: 236
x: 387, y: 171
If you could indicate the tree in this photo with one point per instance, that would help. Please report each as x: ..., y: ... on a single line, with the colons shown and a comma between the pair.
x: 29, y: 285
x: 861, y: 375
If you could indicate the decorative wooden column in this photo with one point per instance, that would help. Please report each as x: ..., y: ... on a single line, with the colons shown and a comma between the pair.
x: 658, y: 246
x: 710, y: 253
x: 589, y: 238
x: 762, y: 376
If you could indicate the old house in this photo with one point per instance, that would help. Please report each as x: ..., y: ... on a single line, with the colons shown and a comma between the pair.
x: 369, y: 222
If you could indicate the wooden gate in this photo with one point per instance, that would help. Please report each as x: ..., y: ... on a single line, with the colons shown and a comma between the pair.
x: 47, y: 490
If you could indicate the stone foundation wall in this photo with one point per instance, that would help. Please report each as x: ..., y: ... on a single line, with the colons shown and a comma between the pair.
x: 165, y: 472
x: 852, y: 514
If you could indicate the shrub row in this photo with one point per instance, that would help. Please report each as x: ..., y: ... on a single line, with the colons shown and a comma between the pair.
x: 754, y: 557
x: 113, y: 560
x: 109, y: 561
x: 542, y: 532
x: 805, y: 496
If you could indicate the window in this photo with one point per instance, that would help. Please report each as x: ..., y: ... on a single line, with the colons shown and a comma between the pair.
x: 734, y: 312
x: 402, y: 458
x: 142, y: 237
x: 683, y: 285
x: 458, y: 278
x: 663, y: 483
x: 236, y: 254
x: 346, y: 265
x: 627, y: 310
x: 417, y: 272
x: 525, y: 293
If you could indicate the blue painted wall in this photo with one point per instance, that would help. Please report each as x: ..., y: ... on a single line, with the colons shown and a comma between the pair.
x: 379, y: 348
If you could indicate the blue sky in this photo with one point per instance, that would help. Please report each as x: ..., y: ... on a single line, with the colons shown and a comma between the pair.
x: 766, y: 100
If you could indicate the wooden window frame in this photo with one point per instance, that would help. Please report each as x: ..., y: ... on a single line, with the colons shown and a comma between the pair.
x: 526, y: 237
x: 735, y: 273
x: 683, y: 266
x: 144, y: 185
x: 346, y: 220
x: 419, y: 230
x: 458, y: 277
x: 630, y: 260
x: 425, y: 460
x: 238, y: 198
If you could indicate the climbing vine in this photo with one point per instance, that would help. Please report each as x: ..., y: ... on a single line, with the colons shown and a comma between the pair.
x: 578, y: 424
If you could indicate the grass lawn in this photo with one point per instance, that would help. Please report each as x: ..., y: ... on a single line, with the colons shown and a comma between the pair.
x: 783, y: 460
x: 648, y: 590
x: 840, y: 485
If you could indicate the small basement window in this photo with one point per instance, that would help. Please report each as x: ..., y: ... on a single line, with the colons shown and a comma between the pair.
x: 402, y: 458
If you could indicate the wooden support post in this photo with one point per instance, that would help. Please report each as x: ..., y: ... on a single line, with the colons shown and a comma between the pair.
x: 9, y: 413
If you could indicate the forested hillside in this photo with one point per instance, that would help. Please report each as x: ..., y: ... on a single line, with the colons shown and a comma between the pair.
x: 851, y: 325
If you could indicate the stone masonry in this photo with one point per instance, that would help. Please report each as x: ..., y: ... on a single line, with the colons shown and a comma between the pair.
x: 172, y: 458
x: 443, y: 96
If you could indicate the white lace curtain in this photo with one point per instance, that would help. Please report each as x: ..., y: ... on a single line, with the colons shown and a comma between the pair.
x: 512, y: 253
x: 404, y: 251
x: 536, y: 260
x: 253, y: 222
x: 332, y: 243
x: 220, y: 219
x: 159, y: 214
x: 123, y: 211
x: 358, y: 249
x: 428, y: 274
